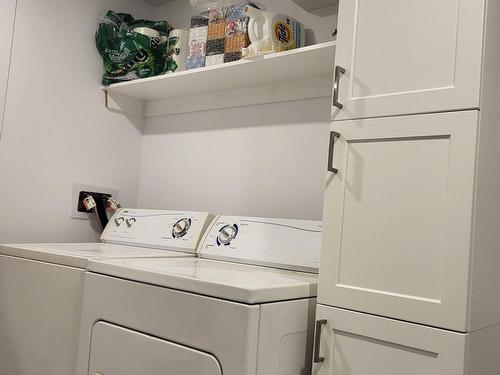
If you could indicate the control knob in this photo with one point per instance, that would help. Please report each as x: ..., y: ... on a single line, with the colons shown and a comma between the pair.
x: 130, y: 222
x: 118, y: 221
x: 181, y: 227
x: 226, y: 234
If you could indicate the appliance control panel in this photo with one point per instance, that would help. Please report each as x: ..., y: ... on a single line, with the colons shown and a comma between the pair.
x: 159, y: 229
x: 279, y: 243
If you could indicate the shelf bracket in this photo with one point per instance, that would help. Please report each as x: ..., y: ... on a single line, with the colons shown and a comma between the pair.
x: 123, y: 104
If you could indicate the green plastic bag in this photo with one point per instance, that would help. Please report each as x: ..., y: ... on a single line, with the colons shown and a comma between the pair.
x: 128, y: 55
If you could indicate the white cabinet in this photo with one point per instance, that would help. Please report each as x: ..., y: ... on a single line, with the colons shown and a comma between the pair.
x: 398, y: 216
x: 350, y: 343
x: 410, y: 254
x: 404, y: 56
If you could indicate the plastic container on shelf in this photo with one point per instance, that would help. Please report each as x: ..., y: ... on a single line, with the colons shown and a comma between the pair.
x: 269, y: 33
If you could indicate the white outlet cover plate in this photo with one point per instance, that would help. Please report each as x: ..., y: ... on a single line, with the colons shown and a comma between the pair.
x: 77, y: 188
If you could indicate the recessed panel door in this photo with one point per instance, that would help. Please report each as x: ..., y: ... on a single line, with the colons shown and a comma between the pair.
x: 350, y: 343
x: 397, y: 217
x: 397, y: 57
x: 120, y: 351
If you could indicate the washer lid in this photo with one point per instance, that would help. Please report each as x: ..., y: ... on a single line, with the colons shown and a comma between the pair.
x: 142, y: 233
x: 230, y: 281
x: 78, y: 254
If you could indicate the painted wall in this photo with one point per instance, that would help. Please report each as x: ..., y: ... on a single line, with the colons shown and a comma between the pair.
x: 7, y: 17
x: 266, y: 160
x: 263, y: 160
x: 56, y: 129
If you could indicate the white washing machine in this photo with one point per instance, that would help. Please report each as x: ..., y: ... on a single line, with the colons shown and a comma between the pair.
x: 249, y: 312
x: 41, y: 285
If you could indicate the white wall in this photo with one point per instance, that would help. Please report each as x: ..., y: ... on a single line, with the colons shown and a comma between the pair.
x: 262, y: 160
x: 7, y: 16
x: 56, y: 130
x: 266, y: 160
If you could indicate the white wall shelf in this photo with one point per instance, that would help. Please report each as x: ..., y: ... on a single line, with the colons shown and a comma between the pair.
x: 293, y: 75
x: 157, y: 3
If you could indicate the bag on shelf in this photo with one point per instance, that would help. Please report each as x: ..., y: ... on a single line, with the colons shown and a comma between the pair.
x: 131, y: 48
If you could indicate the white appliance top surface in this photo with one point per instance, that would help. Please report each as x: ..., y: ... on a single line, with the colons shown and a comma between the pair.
x: 231, y: 281
x: 78, y: 254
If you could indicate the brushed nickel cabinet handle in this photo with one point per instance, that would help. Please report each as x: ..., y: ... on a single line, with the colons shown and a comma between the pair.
x: 338, y: 72
x: 331, y: 148
x: 317, y: 341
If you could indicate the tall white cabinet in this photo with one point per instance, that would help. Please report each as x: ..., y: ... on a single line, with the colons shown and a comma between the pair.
x: 410, y: 263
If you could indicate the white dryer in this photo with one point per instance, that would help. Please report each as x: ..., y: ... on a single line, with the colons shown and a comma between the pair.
x: 41, y: 285
x: 249, y: 312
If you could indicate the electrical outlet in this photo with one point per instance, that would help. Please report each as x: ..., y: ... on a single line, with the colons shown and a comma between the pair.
x: 78, y: 188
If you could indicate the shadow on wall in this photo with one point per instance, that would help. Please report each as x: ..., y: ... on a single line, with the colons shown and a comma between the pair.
x: 136, y: 121
x: 275, y: 114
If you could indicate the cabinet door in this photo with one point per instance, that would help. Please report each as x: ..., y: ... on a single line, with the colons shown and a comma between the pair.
x: 397, y: 218
x: 405, y: 56
x: 352, y: 343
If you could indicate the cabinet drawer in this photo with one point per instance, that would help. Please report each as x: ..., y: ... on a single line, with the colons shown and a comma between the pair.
x: 359, y: 344
x: 397, y: 218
